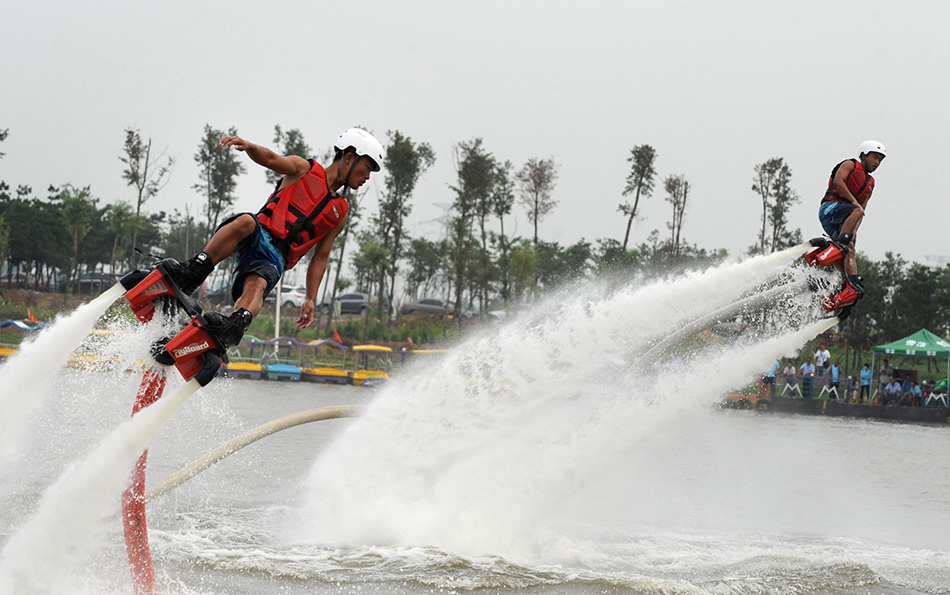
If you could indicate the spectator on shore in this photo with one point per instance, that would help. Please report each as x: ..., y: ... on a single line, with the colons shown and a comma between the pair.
x: 769, y: 379
x: 822, y: 359
x: 914, y: 394
x: 887, y: 372
x: 790, y: 381
x: 852, y: 396
x: 892, y: 391
x: 808, y: 373
x: 834, y: 380
x: 865, y: 395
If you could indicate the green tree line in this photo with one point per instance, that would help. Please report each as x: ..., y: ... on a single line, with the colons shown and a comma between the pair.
x: 476, y: 262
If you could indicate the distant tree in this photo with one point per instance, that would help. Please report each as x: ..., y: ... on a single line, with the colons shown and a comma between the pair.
x: 900, y: 298
x: 558, y: 265
x: 772, y: 183
x: 405, y: 162
x: 36, y: 242
x: 942, y: 296
x: 639, y: 183
x: 536, y: 182
x: 372, y: 256
x: 3, y: 137
x: 353, y: 217
x: 677, y: 194
x: 891, y: 274
x: 77, y: 213
x: 141, y: 173
x: 290, y: 142
x: 424, y: 259
x: 502, y: 200
x: 220, y: 168
x: 4, y: 239
x: 184, y: 234
x: 524, y: 270
x: 121, y: 221
x: 920, y: 299
x: 477, y: 176
x: 487, y: 205
x: 610, y: 255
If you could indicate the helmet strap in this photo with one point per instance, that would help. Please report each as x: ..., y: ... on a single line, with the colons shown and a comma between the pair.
x: 346, y: 182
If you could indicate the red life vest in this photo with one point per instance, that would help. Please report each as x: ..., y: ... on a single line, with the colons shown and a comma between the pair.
x: 302, y: 214
x: 859, y: 183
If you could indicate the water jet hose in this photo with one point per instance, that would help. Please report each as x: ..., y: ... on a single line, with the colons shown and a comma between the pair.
x: 247, y: 438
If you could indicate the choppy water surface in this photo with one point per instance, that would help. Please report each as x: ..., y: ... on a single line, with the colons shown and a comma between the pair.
x: 720, y: 502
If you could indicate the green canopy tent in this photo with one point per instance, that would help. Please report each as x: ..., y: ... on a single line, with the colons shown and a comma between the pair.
x: 923, y: 343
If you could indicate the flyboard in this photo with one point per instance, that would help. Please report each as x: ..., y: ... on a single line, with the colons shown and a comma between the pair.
x: 197, y: 354
x: 829, y: 253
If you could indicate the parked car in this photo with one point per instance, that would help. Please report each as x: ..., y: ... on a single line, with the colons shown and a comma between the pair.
x: 94, y: 282
x: 353, y: 303
x: 350, y: 303
x: 291, y: 296
x: 437, y: 307
x: 427, y: 306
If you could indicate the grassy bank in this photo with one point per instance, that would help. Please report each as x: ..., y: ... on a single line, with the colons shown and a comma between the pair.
x: 423, y: 330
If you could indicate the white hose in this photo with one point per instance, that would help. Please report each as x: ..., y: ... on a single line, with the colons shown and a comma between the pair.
x: 246, y: 438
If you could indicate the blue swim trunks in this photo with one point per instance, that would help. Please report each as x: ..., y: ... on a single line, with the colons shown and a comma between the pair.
x: 832, y: 214
x: 256, y: 255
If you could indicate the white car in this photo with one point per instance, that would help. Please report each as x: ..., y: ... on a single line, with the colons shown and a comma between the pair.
x: 291, y: 297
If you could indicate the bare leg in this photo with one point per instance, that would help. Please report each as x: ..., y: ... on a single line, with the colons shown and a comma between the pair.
x: 252, y: 297
x: 850, y: 265
x: 852, y: 223
x: 226, y: 239
x: 850, y: 227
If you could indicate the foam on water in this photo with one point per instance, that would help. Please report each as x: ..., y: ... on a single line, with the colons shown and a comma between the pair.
x: 607, y: 559
x: 40, y: 555
x: 473, y: 455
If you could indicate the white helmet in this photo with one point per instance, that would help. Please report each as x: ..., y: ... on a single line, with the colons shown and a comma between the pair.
x: 363, y: 143
x: 871, y: 146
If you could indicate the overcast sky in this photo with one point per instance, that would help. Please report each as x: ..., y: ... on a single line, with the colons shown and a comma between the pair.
x: 714, y: 87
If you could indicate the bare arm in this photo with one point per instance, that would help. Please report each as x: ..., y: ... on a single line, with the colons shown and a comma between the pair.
x: 291, y: 166
x: 315, y: 273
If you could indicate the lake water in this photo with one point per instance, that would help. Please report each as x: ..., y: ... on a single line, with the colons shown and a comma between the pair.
x: 711, y: 502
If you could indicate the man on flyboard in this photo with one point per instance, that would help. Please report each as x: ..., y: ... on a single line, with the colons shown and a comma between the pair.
x: 304, y: 213
x: 841, y: 213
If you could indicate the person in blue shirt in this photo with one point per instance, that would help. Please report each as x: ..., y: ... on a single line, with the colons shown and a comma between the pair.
x: 914, y: 394
x: 892, y: 392
x: 769, y: 379
x: 834, y: 379
x: 865, y: 394
x: 808, y: 372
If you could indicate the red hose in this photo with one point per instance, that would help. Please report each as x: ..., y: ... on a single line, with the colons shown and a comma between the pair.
x: 133, y: 499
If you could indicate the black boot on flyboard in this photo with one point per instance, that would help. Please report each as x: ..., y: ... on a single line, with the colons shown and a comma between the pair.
x: 199, y: 349
x: 828, y: 253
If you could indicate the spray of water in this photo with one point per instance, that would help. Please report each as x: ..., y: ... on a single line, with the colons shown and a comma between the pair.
x: 22, y: 377
x: 472, y: 455
x: 40, y: 555
x: 27, y: 378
